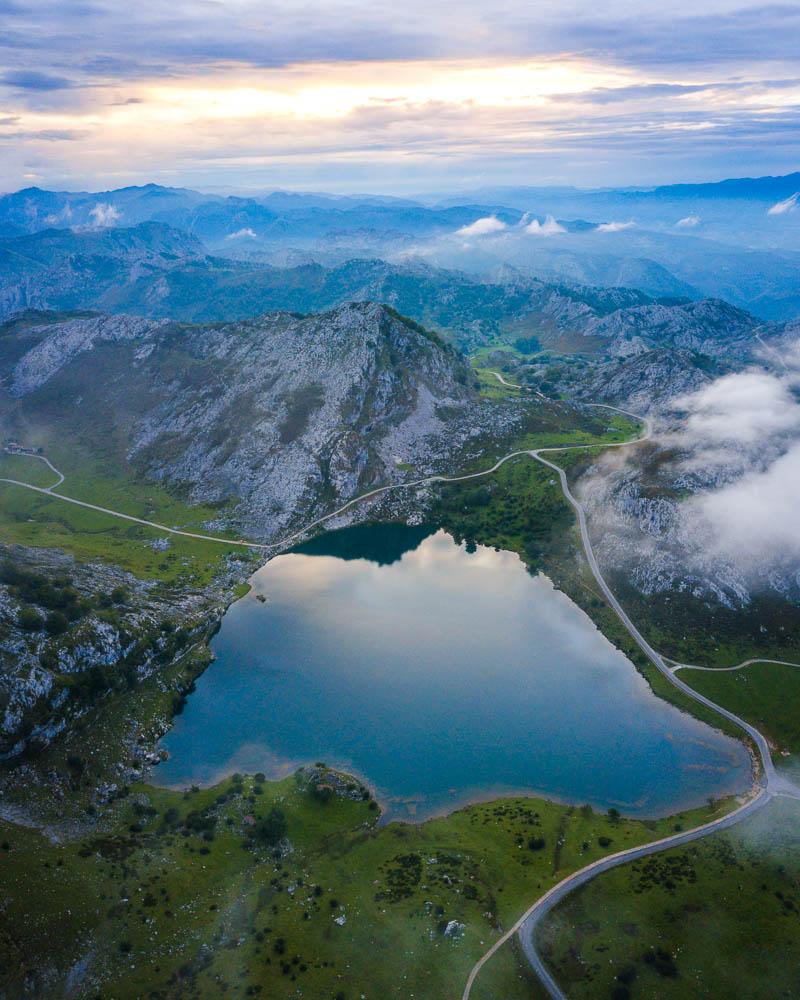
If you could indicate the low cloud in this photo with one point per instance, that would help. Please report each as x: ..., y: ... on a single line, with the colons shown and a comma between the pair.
x: 787, y: 205
x: 55, y: 218
x: 742, y: 434
x: 732, y: 449
x: 104, y: 215
x: 242, y: 234
x: 689, y: 222
x: 743, y: 410
x: 547, y: 228
x: 755, y: 518
x: 483, y: 227
x: 31, y: 79
x: 614, y: 227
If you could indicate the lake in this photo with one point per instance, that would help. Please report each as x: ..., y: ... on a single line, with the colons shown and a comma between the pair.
x: 439, y: 676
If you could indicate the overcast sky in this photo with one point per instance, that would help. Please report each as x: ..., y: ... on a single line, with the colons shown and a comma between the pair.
x: 395, y: 97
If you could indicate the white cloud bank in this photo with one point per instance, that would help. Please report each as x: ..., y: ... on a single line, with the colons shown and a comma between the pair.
x: 756, y: 518
x: 689, y: 222
x: 743, y: 410
x: 547, y: 228
x: 483, y: 227
x: 614, y: 227
x: 242, y: 234
x: 749, y: 423
x: 788, y: 205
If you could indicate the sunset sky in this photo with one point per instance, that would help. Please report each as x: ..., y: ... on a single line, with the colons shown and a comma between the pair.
x: 394, y: 97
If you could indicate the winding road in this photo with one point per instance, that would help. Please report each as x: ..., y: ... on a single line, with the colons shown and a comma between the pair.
x: 739, y: 666
x: 263, y: 546
x: 771, y: 783
x: 513, y: 385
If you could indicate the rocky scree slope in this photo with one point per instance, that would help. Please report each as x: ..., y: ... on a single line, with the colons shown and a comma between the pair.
x: 642, y: 383
x: 647, y: 534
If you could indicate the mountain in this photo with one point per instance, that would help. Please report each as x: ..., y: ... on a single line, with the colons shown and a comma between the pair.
x: 719, y: 240
x: 224, y: 221
x: 648, y: 254
x: 155, y: 271
x: 66, y: 268
x: 750, y: 188
x: 279, y: 417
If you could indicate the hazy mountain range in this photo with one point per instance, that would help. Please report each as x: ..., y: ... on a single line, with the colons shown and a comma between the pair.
x: 738, y: 240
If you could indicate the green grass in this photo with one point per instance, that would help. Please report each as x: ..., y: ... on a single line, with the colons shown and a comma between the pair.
x: 31, y: 519
x: 27, y: 469
x: 692, y: 630
x: 718, y: 918
x: 518, y: 508
x: 765, y: 694
x: 157, y: 909
x: 492, y: 388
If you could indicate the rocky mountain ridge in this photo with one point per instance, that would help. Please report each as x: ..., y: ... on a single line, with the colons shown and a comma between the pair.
x: 280, y: 416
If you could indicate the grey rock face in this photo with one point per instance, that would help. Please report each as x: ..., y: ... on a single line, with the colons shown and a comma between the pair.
x: 278, y: 418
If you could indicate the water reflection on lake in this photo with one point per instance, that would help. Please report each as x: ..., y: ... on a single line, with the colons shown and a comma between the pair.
x: 439, y: 676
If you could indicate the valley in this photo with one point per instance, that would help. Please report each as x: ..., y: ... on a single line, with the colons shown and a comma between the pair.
x: 436, y: 528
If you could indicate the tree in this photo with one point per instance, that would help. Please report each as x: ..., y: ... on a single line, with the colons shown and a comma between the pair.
x: 271, y: 829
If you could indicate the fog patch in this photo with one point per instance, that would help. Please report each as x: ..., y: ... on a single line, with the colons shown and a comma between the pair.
x: 547, y: 228
x: 711, y: 505
x: 787, y: 205
x: 614, y: 227
x: 482, y: 227
x: 242, y: 234
x: 104, y: 215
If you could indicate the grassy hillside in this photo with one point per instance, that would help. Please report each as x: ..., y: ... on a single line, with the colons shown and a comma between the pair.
x: 719, y: 918
x: 191, y: 894
x: 32, y: 519
x: 766, y: 694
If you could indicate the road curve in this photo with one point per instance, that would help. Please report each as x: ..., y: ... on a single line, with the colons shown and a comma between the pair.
x: 527, y: 924
x: 531, y: 917
x: 655, y: 658
x: 771, y: 782
x: 269, y: 546
x: 39, y: 458
x: 739, y: 666
x: 263, y: 546
x: 513, y: 385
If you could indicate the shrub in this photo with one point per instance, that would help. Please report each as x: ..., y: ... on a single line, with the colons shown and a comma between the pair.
x: 29, y: 619
x: 56, y: 623
x: 270, y: 829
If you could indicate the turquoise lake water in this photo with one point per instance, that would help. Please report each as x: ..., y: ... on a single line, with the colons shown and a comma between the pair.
x: 439, y: 676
